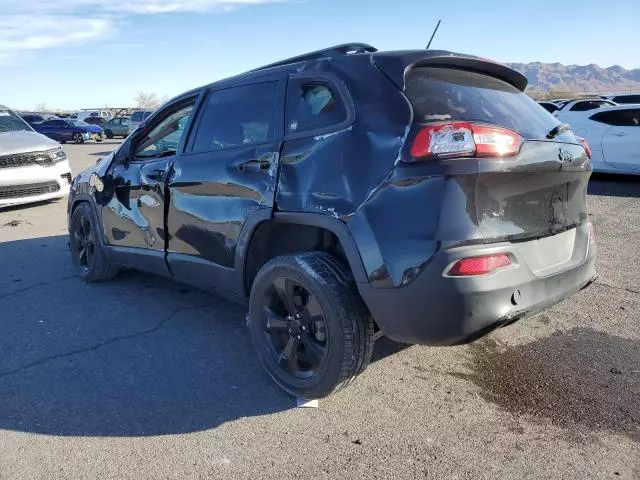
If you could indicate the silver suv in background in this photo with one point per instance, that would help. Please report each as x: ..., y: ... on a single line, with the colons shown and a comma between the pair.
x: 137, y: 117
x: 32, y: 167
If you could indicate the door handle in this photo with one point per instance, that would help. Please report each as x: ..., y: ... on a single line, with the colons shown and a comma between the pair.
x: 619, y: 134
x: 262, y: 164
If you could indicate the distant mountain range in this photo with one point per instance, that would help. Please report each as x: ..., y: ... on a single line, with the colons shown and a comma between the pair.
x: 579, y: 78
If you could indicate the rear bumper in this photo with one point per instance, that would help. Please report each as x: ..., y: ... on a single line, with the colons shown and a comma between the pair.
x: 437, y: 310
x: 34, y: 183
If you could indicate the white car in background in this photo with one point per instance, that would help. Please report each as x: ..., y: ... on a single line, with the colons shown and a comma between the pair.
x: 576, y: 108
x: 613, y: 133
x: 33, y: 167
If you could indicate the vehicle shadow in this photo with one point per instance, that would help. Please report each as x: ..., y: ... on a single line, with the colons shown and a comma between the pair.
x: 614, y: 185
x: 136, y: 356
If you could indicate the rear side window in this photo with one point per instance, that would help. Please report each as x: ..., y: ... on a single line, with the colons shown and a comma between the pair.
x: 627, y: 99
x: 312, y: 107
x: 619, y: 118
x: 237, y: 116
x: 589, y: 105
x: 444, y: 94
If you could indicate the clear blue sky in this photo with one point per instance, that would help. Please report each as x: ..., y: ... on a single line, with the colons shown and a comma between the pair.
x: 84, y: 53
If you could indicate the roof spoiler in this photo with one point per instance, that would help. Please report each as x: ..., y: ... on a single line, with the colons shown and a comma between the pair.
x: 396, y: 64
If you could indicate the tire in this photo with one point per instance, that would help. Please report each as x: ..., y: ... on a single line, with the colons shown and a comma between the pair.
x: 92, y: 265
x: 77, y: 138
x: 345, y: 336
x: 109, y: 134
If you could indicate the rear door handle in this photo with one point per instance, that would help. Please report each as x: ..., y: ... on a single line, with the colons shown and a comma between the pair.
x: 262, y: 164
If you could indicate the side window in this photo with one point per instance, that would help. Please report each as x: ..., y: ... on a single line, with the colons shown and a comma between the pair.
x: 627, y: 99
x: 163, y: 139
x: 608, y: 118
x: 619, y: 118
x: 312, y: 106
x: 237, y: 116
x: 589, y: 105
x: 136, y: 117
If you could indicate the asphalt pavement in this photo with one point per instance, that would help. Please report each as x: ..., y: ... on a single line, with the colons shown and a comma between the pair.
x: 142, y: 378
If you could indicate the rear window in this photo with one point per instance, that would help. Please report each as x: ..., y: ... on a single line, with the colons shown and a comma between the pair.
x: 442, y: 94
x: 627, y: 99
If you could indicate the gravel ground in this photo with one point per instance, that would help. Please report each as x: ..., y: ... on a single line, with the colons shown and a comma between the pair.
x: 145, y: 378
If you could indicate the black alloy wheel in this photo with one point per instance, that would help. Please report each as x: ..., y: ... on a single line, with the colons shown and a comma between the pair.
x: 311, y: 330
x: 84, y: 243
x: 295, y: 328
x: 87, y: 254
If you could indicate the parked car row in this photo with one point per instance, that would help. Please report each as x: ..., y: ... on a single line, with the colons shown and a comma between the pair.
x: 611, y: 129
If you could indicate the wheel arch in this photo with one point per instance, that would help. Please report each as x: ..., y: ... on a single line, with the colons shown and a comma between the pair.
x: 296, y: 223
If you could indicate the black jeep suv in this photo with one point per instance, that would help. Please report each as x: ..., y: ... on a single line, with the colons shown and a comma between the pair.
x: 346, y: 194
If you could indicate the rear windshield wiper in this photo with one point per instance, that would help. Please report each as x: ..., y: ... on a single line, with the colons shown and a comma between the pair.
x: 557, y: 130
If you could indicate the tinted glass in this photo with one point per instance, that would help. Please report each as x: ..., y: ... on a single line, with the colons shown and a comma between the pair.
x: 589, y: 105
x: 442, y: 94
x: 627, y: 99
x: 619, y: 118
x: 312, y: 106
x: 136, y: 117
x: 237, y: 116
x: 10, y: 122
x: 549, y: 107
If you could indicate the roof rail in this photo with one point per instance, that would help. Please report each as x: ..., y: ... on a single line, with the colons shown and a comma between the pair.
x: 337, y: 51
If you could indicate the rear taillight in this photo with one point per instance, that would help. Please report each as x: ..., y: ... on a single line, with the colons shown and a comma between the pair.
x: 479, y: 265
x: 464, y: 139
x: 586, y: 146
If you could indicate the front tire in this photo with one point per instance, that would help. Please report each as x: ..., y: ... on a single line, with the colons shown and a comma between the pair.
x: 87, y: 255
x: 109, y: 134
x: 310, y: 328
x: 77, y: 138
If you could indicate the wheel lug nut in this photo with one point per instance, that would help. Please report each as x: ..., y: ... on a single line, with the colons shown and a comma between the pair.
x: 299, y: 337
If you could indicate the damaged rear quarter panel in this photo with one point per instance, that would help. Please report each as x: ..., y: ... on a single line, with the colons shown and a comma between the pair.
x: 335, y: 173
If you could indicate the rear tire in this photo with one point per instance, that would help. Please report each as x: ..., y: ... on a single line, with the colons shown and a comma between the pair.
x: 87, y: 254
x: 331, y: 343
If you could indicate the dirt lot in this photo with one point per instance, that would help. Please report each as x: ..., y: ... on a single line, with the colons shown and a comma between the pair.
x: 145, y: 378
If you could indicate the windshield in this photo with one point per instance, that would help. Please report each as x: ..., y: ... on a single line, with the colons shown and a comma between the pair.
x: 442, y: 94
x: 10, y: 122
x: 79, y: 123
